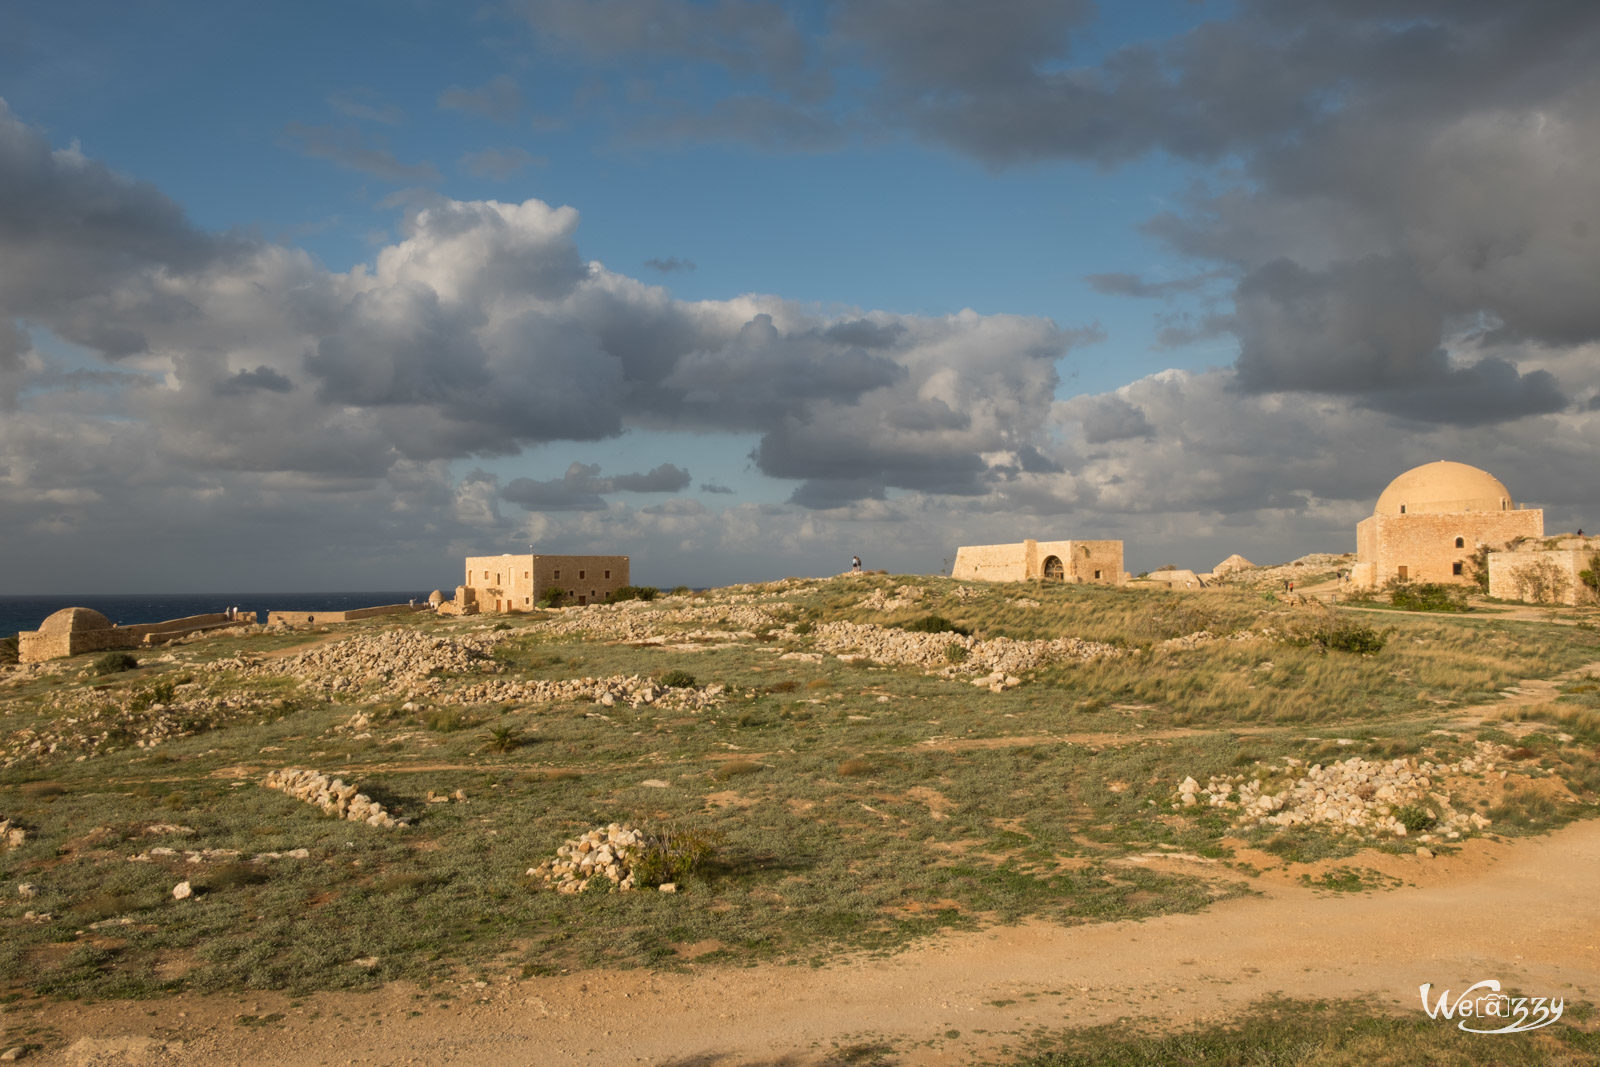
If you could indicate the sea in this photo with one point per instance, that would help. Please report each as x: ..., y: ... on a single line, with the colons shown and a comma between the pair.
x: 126, y: 609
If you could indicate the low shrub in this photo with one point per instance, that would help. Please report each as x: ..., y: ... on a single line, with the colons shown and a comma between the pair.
x: 1427, y: 596
x: 955, y: 652
x: 935, y: 624
x: 633, y: 592
x: 553, y: 597
x: 115, y: 662
x: 1415, y: 818
x: 161, y: 692
x: 669, y: 855
x: 677, y: 679
x: 505, y: 738
x: 8, y: 649
x: 679, y: 590
x: 1333, y: 634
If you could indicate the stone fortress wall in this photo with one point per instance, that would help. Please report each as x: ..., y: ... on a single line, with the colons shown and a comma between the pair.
x: 1544, y: 570
x: 74, y: 631
x: 1092, y: 562
x: 295, y: 619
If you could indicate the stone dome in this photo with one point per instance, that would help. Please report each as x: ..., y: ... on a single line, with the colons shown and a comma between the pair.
x: 436, y: 598
x: 1443, y: 487
x: 74, y: 620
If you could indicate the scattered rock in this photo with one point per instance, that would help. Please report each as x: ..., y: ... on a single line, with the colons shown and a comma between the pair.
x: 182, y: 891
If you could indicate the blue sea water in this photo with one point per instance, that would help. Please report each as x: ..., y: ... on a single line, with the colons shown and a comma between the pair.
x: 27, y: 612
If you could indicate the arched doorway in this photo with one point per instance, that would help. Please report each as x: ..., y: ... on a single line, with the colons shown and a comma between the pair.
x: 1053, y: 570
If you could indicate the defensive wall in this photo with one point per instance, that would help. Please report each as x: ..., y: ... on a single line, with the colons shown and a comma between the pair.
x: 1544, y: 571
x: 1092, y: 562
x: 296, y: 619
x: 74, y: 631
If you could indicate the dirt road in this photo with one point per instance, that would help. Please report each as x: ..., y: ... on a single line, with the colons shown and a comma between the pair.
x: 1522, y: 912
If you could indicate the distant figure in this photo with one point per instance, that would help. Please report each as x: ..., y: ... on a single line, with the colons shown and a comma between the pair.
x: 1580, y: 531
x: 855, y: 564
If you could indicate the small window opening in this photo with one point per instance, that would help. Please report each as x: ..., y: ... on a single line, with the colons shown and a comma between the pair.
x: 558, y: 572
x: 1097, y: 575
x: 580, y: 576
x: 1461, y: 542
x: 608, y: 574
x: 1402, y: 509
x: 1455, y: 568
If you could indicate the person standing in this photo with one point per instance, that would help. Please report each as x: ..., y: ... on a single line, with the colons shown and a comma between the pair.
x: 855, y: 564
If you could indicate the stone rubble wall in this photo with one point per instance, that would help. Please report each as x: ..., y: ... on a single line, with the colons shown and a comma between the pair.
x: 1353, y: 796
x: 393, y: 655
x: 888, y: 645
x: 633, y: 690
x: 333, y: 796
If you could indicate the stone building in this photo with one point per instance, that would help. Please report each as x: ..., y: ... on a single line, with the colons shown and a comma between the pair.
x: 1094, y: 562
x: 73, y: 631
x: 517, y: 583
x: 1545, y: 571
x: 1430, y: 520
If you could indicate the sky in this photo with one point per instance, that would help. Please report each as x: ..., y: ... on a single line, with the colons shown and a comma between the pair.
x: 302, y: 296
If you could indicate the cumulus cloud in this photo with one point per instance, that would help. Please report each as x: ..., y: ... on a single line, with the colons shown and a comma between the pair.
x: 582, y: 487
x: 1380, y: 184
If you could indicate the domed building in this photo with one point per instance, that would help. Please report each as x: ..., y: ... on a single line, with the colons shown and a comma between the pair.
x: 1430, y: 521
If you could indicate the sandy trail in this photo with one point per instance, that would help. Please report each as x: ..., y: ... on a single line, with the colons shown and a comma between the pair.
x: 1524, y: 913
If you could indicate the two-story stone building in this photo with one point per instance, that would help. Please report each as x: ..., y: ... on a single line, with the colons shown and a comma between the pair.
x: 518, y: 582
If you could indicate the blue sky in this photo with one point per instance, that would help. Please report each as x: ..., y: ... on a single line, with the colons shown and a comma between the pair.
x: 291, y: 301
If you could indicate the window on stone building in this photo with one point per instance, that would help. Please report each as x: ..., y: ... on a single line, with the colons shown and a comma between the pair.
x: 1402, y: 509
x: 558, y: 572
x: 580, y: 576
x: 1097, y: 575
x: 1455, y: 568
x: 1461, y: 542
x: 1053, y: 570
x: 1402, y: 575
x: 608, y: 574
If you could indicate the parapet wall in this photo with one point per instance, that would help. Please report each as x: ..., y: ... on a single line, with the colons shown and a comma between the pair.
x: 1543, y: 575
x: 35, y: 647
x: 295, y: 619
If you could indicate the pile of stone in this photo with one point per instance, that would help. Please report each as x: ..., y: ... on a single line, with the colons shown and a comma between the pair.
x: 606, y: 853
x: 333, y: 796
x: 393, y: 655
x: 633, y: 690
x: 932, y: 651
x: 1355, y: 796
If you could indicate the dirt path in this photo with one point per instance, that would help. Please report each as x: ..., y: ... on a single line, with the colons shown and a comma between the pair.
x: 1523, y: 913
